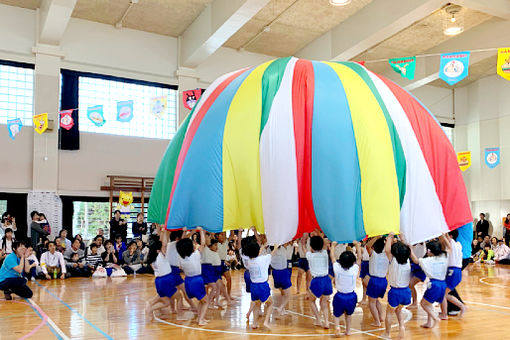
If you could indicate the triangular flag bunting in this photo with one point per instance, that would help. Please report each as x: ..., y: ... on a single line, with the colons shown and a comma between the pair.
x: 404, y: 66
x: 504, y: 62
x: 454, y: 66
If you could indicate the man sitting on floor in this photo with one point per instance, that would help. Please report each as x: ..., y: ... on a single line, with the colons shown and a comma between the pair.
x: 52, y: 263
x: 502, y: 253
x: 11, y: 280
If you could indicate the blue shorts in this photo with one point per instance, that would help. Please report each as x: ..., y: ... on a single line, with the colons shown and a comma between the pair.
x: 224, y: 267
x: 260, y: 291
x: 453, y: 277
x: 321, y: 286
x: 176, y: 272
x: 194, y: 286
x: 330, y: 270
x: 208, y: 273
x: 364, y: 269
x: 344, y: 303
x: 399, y: 296
x: 435, y: 291
x: 376, y: 287
x: 247, y: 280
x: 217, y: 272
x: 417, y: 272
x: 303, y: 264
x: 289, y: 266
x: 165, y: 286
x: 281, y: 279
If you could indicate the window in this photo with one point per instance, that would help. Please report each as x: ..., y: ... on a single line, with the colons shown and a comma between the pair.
x: 16, y: 92
x: 90, y: 216
x: 3, y: 206
x: 100, y: 91
x: 448, y: 130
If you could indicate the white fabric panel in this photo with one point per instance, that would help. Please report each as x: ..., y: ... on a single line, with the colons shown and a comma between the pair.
x: 421, y: 214
x: 278, y: 169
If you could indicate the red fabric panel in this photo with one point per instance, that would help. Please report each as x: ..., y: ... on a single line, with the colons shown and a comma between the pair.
x: 440, y: 157
x: 192, y: 130
x: 302, y: 108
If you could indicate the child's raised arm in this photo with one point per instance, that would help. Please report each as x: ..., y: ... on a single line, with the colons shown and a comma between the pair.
x: 413, y: 256
x: 445, y: 242
x: 370, y: 244
x: 387, y: 246
x: 202, y: 238
x: 276, y: 246
x: 359, y: 253
x: 332, y: 251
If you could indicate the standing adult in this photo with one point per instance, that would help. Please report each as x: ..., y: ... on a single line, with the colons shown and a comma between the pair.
x: 506, y: 226
x: 11, y: 280
x: 482, y: 227
x: 139, y: 227
x: 118, y: 226
x: 36, y: 231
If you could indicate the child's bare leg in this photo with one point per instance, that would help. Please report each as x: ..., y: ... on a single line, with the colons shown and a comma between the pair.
x: 337, y: 327
x: 315, y: 311
x: 268, y: 309
x: 387, y: 321
x: 379, y: 310
x: 372, y: 303
x: 325, y: 311
x: 177, y: 299
x: 300, y: 273
x: 256, y: 314
x: 348, y: 324
x: 429, y: 309
x: 414, y: 295
x: 457, y: 303
x: 252, y: 306
x: 365, y: 284
x: 223, y: 290
x: 185, y: 296
x: 202, y: 309
x: 285, y: 300
x: 229, y: 283
x: 401, y: 326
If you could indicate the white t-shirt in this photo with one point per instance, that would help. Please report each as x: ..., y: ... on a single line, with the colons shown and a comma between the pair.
x: 172, y: 256
x: 399, y: 275
x: 365, y: 256
x: 259, y: 267
x: 245, y: 259
x: 420, y: 250
x: 345, y: 279
x: 191, y: 264
x: 8, y: 246
x: 223, y: 250
x: 210, y: 257
x: 161, y: 267
x: 435, y: 267
x: 279, y: 259
x: 318, y: 262
x: 455, y: 255
x: 290, y: 251
x: 339, y: 249
x: 378, y: 264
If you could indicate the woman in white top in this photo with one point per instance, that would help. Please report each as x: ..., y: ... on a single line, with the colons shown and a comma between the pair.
x: 435, y: 266
x: 6, y: 242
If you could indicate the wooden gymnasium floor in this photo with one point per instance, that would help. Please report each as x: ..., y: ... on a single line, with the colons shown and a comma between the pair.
x: 104, y: 308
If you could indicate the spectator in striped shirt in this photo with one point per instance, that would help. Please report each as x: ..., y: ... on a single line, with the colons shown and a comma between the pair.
x: 93, y: 258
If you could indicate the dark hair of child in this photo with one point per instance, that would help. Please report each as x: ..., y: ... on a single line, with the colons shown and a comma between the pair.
x: 247, y: 240
x: 176, y: 234
x: 435, y: 247
x: 400, y: 252
x: 454, y: 234
x: 93, y: 245
x: 347, y: 259
x: 185, y: 247
x: 251, y: 249
x: 213, y: 242
x: 317, y: 243
x: 379, y: 245
x: 153, y: 251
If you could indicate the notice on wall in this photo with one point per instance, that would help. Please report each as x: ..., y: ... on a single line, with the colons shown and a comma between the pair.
x: 48, y: 203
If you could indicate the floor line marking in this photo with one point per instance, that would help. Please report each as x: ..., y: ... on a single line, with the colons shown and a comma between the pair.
x: 491, y: 284
x: 487, y: 304
x: 53, y: 327
x: 75, y: 311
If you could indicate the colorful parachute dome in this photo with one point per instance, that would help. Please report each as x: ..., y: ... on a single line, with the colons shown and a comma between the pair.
x: 293, y: 145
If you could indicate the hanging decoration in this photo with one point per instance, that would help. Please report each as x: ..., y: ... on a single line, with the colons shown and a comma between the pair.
x: 40, y: 123
x: 464, y: 159
x: 125, y: 111
x: 158, y: 106
x: 190, y: 98
x: 492, y: 157
x: 124, y: 205
x: 272, y: 146
x: 95, y: 114
x: 66, y: 119
x: 504, y: 62
x: 404, y: 66
x: 14, y: 127
x: 454, y: 66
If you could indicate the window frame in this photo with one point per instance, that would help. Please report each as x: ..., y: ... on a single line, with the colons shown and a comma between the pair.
x: 11, y: 63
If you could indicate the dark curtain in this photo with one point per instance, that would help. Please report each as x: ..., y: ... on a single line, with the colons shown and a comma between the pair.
x: 70, y: 139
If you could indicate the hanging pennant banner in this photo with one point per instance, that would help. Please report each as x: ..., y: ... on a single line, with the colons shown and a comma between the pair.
x: 404, y: 66
x: 492, y: 157
x: 40, y: 123
x: 454, y: 66
x: 14, y: 127
x: 66, y: 119
x: 190, y: 98
x: 158, y: 106
x: 125, y: 111
x: 504, y: 62
x: 464, y: 159
x: 95, y: 114
x: 362, y: 62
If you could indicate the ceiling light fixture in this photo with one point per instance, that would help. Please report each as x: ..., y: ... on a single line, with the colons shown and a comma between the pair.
x: 339, y: 2
x: 453, y: 23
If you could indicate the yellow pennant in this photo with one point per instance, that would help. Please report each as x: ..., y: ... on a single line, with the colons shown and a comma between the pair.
x: 41, y: 122
x: 504, y: 62
x: 464, y: 159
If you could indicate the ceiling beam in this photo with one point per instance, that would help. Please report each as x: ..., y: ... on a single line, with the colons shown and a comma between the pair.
x: 371, y: 25
x: 213, y: 27
x: 53, y: 18
x: 496, y: 8
x: 479, y: 37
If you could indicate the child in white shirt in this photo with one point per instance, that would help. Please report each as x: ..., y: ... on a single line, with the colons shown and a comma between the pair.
x: 281, y: 277
x: 320, y: 286
x: 377, y: 284
x: 454, y: 275
x: 346, y: 272
x: 399, y: 276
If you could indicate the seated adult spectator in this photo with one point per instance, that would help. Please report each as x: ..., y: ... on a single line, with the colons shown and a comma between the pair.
x: 482, y: 227
x: 118, y: 226
x: 98, y: 241
x: 100, y: 232
x: 502, y: 253
x: 75, y: 260
x: 82, y: 244
x: 43, y: 222
x: 6, y: 243
x: 131, y: 259
x: 8, y: 221
x: 93, y: 258
x: 486, y: 241
x: 110, y: 256
x: 494, y: 243
x: 506, y: 225
x: 36, y: 232
x: 11, y: 280
x: 34, y: 268
x: 120, y: 247
x: 53, y: 264
x: 63, y: 236
x: 231, y: 260
x: 139, y: 227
